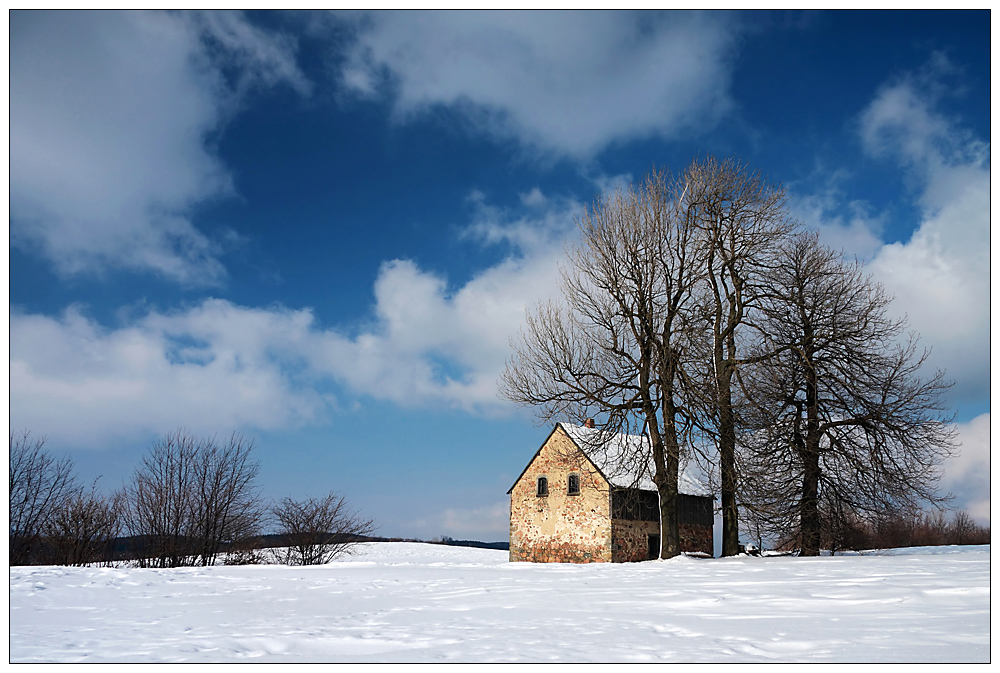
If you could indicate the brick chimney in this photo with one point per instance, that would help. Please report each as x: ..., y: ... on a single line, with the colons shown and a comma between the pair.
x: 589, y: 423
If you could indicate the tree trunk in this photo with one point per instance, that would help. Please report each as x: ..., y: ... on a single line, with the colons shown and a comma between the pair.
x: 809, y: 506
x: 727, y: 455
x: 727, y: 461
x: 667, y: 461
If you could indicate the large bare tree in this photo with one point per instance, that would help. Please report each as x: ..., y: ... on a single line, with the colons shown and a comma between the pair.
x: 616, y: 346
x: 845, y: 426
x: 740, y: 219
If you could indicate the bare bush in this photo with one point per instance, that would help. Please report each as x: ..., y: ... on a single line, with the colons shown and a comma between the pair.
x: 82, y: 530
x: 923, y: 529
x: 159, y: 502
x: 965, y: 530
x: 39, y: 486
x: 247, y: 551
x: 227, y: 507
x: 191, y: 498
x: 317, y: 530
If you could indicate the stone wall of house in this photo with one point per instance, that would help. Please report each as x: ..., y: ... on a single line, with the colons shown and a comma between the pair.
x: 696, y: 538
x: 560, y: 527
x: 630, y: 539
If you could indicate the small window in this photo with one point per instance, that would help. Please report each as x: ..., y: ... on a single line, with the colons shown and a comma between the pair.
x: 573, y: 485
x: 543, y: 486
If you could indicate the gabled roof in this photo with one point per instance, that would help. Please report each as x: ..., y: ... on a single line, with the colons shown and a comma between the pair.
x: 616, y: 456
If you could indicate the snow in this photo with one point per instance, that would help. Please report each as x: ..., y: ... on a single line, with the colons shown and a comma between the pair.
x: 411, y: 602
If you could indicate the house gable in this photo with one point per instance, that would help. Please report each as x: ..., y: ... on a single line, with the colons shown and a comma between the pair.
x: 560, y: 525
x: 559, y: 428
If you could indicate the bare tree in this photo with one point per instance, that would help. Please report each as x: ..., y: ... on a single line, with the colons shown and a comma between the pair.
x: 160, y: 502
x: 39, y: 485
x: 845, y: 427
x: 190, y: 498
x: 82, y: 530
x: 740, y: 219
x: 318, y: 530
x: 617, y: 349
x: 226, y: 504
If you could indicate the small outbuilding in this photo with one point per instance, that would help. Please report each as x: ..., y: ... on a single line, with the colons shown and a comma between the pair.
x: 578, y: 501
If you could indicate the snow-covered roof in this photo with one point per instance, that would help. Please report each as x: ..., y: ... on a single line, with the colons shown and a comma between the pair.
x: 617, y: 457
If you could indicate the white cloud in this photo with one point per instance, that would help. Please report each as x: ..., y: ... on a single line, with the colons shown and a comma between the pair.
x: 259, y: 59
x: 967, y: 475
x: 549, y: 221
x: 901, y: 121
x: 212, y: 367
x: 572, y: 83
x: 850, y: 227
x: 109, y: 118
x: 940, y: 277
x: 533, y: 199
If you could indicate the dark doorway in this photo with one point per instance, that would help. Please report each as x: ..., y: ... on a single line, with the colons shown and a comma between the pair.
x: 654, y: 547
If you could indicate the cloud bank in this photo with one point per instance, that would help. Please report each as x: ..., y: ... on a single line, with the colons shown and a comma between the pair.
x: 218, y: 364
x: 213, y: 366
x: 940, y: 277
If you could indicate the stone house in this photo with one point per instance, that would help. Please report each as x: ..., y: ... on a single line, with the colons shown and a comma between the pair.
x: 574, y: 504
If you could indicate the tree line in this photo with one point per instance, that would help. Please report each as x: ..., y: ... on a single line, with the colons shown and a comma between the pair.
x: 191, y: 501
x: 697, y: 312
x: 913, y: 528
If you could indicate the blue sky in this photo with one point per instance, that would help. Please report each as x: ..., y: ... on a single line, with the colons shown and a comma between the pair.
x: 322, y: 230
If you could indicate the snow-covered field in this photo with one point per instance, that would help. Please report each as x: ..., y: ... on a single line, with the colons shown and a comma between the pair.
x: 408, y: 602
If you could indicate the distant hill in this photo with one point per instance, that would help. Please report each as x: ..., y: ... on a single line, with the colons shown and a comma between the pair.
x: 132, y: 547
x: 474, y: 543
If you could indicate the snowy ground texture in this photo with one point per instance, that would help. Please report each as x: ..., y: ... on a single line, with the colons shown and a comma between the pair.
x: 408, y: 602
